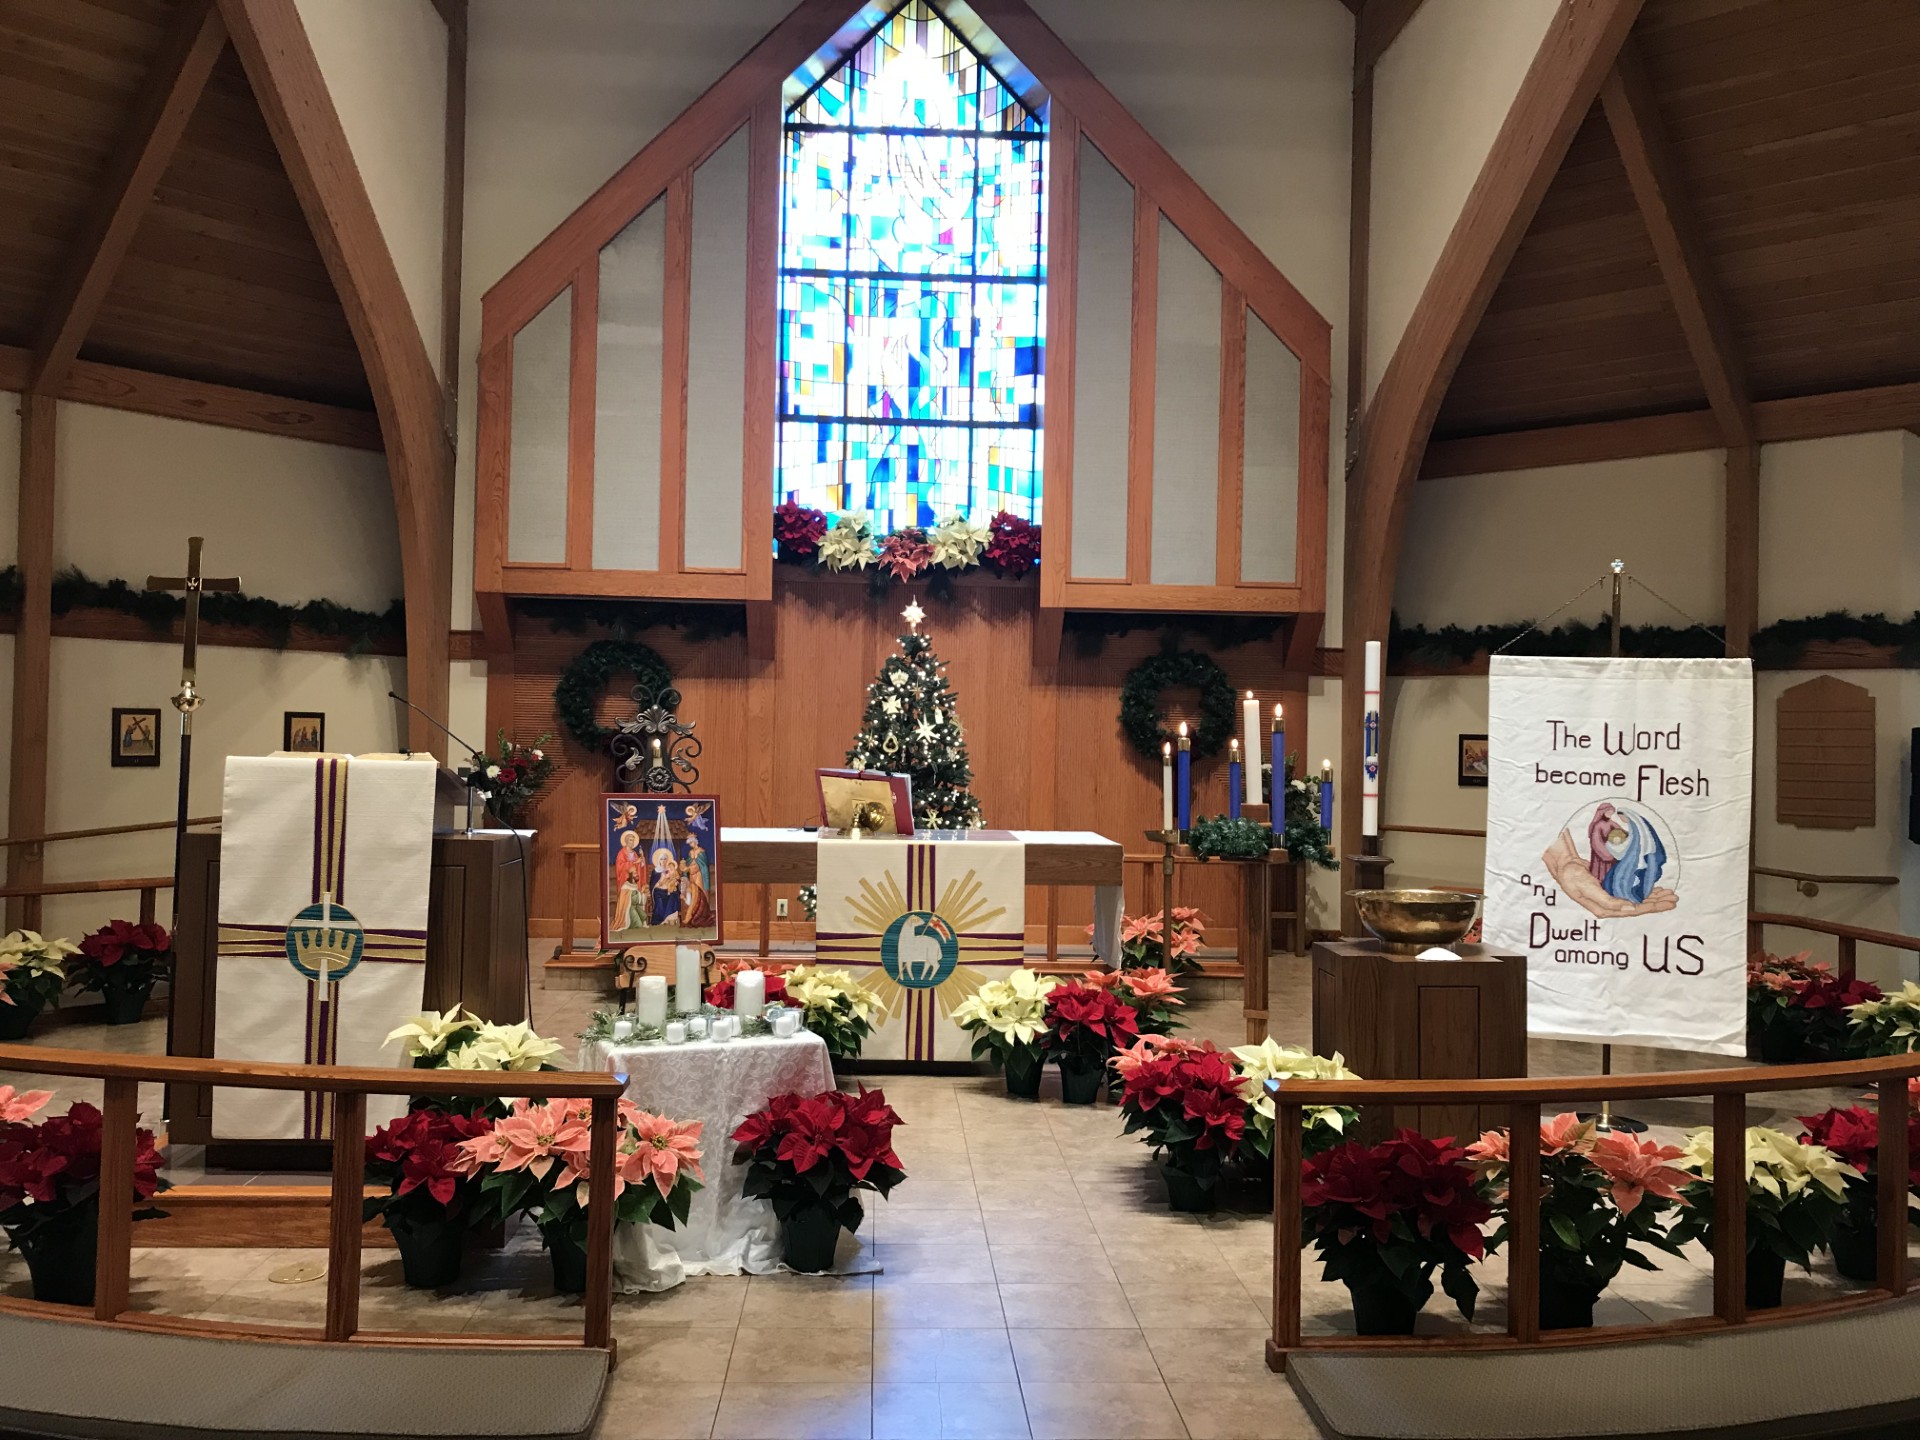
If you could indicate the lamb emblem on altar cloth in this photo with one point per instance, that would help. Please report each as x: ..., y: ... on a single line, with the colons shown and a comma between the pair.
x: 924, y: 942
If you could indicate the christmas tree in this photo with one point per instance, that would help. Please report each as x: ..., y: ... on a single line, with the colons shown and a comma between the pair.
x: 912, y: 727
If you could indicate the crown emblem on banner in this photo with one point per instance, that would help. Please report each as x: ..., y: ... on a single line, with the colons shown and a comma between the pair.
x: 324, y: 941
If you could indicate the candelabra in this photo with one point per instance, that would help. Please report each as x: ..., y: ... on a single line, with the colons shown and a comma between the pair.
x: 655, y: 750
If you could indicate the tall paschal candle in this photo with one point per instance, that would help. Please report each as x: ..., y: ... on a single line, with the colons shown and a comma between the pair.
x: 1185, y: 797
x: 1250, y: 732
x: 1370, y: 745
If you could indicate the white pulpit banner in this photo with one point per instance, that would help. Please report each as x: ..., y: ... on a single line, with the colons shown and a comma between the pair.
x: 324, y: 867
x: 923, y: 922
x: 1619, y: 803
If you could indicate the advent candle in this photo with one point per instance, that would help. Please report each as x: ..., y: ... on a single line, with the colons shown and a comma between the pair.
x: 1184, y: 800
x: 1370, y: 746
x: 1233, y: 779
x: 686, y: 979
x: 1166, y: 785
x: 650, y: 1000
x: 1250, y: 729
x: 1279, y: 757
x: 749, y: 995
x: 1326, y: 795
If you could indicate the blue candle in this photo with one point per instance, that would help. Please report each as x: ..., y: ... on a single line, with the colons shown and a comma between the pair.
x: 1233, y: 780
x: 1326, y: 795
x: 1185, y: 793
x: 1279, y: 796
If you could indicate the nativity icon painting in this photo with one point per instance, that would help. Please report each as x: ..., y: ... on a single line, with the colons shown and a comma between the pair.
x: 660, y: 870
x: 1631, y: 866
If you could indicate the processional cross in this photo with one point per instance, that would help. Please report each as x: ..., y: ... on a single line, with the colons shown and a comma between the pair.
x: 193, y: 583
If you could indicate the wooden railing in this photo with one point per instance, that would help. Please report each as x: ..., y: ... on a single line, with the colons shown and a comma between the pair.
x: 1847, y: 938
x: 53, y: 835
x: 123, y: 1076
x: 31, y: 850
x: 149, y: 887
x: 1808, y: 883
x: 1523, y: 1099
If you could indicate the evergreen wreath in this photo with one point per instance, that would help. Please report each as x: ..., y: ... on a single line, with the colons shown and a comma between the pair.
x: 1140, y: 701
x: 584, y: 681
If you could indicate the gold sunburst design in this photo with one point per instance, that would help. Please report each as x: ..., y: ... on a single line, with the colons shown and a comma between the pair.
x: 941, y: 937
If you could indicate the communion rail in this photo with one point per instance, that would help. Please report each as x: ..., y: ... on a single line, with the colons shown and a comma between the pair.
x: 351, y: 1086
x: 1847, y: 938
x: 32, y: 850
x: 1523, y: 1099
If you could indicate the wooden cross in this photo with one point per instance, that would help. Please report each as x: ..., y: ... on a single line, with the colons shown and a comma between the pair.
x: 193, y: 583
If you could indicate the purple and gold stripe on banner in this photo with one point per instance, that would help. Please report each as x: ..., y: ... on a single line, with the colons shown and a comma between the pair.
x: 329, y: 882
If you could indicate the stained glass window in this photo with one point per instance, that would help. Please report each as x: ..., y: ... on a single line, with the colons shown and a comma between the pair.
x: 913, y: 283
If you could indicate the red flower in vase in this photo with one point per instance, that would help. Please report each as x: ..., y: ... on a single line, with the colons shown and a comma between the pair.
x: 37, y: 1161
x: 798, y: 530
x: 905, y: 553
x: 1423, y: 1181
x: 1830, y: 992
x: 117, y: 939
x: 1013, y: 548
x: 1074, y: 1006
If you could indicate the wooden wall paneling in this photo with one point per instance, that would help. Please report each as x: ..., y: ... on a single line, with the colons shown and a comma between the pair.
x: 1825, y: 762
x: 1146, y: 301
x: 1233, y: 434
x: 582, y: 392
x: 1063, y: 289
x: 762, y: 342
x: 675, y: 323
x: 195, y: 37
x: 1554, y: 97
x: 32, y: 652
x: 493, y: 442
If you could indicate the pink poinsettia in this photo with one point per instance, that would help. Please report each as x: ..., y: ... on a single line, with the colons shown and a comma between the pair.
x: 1152, y: 983
x: 1149, y: 1048
x: 16, y: 1107
x: 533, y: 1137
x: 1638, y: 1168
x: 657, y: 1149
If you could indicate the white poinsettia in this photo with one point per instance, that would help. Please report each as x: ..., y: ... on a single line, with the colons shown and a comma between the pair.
x: 511, y: 1047
x: 848, y: 545
x: 1891, y: 1023
x: 958, y: 542
x: 29, y: 950
x: 1777, y: 1164
x: 1014, y: 1008
x: 823, y: 987
x: 1270, y: 1060
x: 429, y: 1033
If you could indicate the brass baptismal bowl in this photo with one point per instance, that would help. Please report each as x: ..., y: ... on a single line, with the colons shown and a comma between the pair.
x: 1405, y: 922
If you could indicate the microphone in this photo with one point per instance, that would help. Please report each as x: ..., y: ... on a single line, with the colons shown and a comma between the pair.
x: 478, y: 759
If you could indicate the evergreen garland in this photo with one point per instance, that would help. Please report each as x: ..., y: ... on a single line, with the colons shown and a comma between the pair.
x: 912, y: 726
x: 577, y: 696
x: 699, y: 622
x: 1778, y: 646
x: 1090, y: 630
x: 1218, y: 836
x: 1140, y: 702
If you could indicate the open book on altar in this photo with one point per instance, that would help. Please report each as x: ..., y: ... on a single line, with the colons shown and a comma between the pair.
x: 324, y: 869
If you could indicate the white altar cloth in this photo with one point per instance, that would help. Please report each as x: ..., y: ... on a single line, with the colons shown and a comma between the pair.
x: 719, y: 1084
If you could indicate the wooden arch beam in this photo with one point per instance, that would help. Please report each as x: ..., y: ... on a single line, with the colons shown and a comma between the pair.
x: 292, y: 94
x: 1560, y: 87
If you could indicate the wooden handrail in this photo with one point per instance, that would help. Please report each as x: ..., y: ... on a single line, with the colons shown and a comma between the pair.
x: 54, y: 835
x: 1522, y: 1099
x: 123, y: 1075
x: 1848, y: 938
x: 89, y: 887
x: 1806, y: 877
x: 1434, y: 830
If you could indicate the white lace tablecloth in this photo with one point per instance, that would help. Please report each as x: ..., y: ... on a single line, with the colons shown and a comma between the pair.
x: 720, y: 1085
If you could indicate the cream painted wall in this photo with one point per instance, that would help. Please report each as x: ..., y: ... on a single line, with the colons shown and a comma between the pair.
x: 1833, y: 533
x: 385, y: 64
x: 1439, y: 96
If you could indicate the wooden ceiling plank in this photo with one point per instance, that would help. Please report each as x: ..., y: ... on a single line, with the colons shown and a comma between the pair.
x: 152, y: 133
x: 1380, y: 24
x: 1633, y: 113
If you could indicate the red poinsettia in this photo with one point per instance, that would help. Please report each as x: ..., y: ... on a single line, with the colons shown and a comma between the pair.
x: 1830, y: 992
x: 419, y: 1151
x: 906, y: 552
x: 118, y: 940
x: 797, y: 531
x: 55, y: 1165
x: 1087, y: 1025
x: 1854, y: 1135
x: 1425, y: 1184
x: 816, y: 1150
x: 1014, y: 547
x: 720, y: 993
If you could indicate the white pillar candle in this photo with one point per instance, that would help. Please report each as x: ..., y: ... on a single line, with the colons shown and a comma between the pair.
x: 676, y: 1032
x: 650, y: 1000
x: 722, y: 1028
x: 1166, y: 786
x: 686, y: 979
x: 1370, y: 746
x: 749, y: 993
x: 787, y: 1024
x: 1250, y: 747
x: 622, y: 1029
x: 696, y: 1027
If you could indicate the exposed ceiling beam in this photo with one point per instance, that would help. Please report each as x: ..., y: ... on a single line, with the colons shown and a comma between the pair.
x: 1379, y: 24
x: 1633, y: 114
x: 1354, y: 5
x: 90, y: 383
x: 146, y: 145
x: 1803, y: 417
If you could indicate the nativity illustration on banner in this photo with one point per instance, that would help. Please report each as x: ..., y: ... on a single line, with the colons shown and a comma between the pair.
x: 1618, y: 811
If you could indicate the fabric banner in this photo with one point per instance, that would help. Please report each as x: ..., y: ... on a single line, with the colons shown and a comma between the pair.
x: 1618, y: 812
x: 923, y: 922
x: 324, y: 865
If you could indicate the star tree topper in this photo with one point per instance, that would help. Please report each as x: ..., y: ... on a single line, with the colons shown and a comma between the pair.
x: 913, y: 615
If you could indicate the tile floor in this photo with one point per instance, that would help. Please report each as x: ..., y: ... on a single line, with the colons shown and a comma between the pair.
x: 1027, y: 1280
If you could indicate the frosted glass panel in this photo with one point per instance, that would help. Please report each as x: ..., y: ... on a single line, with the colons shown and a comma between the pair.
x: 717, y: 358
x: 1270, y: 486
x: 1186, y: 414
x: 537, y: 459
x: 627, y: 400
x: 1102, y: 370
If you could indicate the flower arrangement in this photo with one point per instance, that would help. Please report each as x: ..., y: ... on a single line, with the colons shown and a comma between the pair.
x: 1006, y: 545
x: 514, y: 775
x: 1149, y: 990
x: 1383, y: 1218
x: 1888, y: 1024
x: 1795, y: 1195
x: 1142, y: 942
x: 719, y: 993
x: 906, y: 552
x: 797, y: 532
x: 1601, y: 1193
x: 1007, y: 1018
x: 1187, y: 1100
x: 1853, y: 1134
x: 460, y: 1040
x: 958, y: 543
x: 1321, y: 1125
x: 1013, y: 547
x: 122, y: 960
x: 535, y: 1160
x: 834, y: 1006
x: 33, y: 972
x: 50, y: 1190
x: 1798, y: 1010
x: 809, y: 1155
x: 1084, y: 1027
x: 430, y: 1201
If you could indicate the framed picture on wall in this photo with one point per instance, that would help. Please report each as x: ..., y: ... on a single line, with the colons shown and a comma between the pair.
x: 303, y: 731
x: 136, y: 737
x: 1473, y: 760
x: 660, y: 869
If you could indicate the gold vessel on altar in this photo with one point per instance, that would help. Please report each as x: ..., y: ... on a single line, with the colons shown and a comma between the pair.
x: 1405, y: 922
